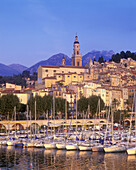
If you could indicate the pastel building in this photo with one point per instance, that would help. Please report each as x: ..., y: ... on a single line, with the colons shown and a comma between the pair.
x: 65, y: 74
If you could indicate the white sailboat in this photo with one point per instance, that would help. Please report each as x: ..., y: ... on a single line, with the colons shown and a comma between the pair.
x: 98, y: 147
x: 73, y: 146
x: 85, y: 147
x: 114, y: 148
x: 132, y: 151
x: 62, y: 145
x: 51, y: 145
x: 29, y: 143
x: 10, y: 141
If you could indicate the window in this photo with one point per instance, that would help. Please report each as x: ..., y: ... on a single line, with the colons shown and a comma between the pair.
x: 54, y: 71
x: 77, y: 52
x: 77, y: 63
x: 68, y: 76
x: 46, y: 70
x: 59, y: 76
x: 74, y: 76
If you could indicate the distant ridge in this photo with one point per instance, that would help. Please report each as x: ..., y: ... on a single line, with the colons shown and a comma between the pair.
x: 18, y: 67
x: 95, y: 55
x: 53, y: 60
x: 7, y: 71
x: 15, y: 69
x: 57, y: 59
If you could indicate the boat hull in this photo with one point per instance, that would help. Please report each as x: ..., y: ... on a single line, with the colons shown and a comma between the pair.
x: 114, y: 149
x: 29, y: 145
x: 97, y: 149
x: 131, y: 151
x: 72, y: 147
x: 50, y: 146
x: 85, y: 148
x: 61, y: 146
x: 18, y: 144
x: 10, y: 143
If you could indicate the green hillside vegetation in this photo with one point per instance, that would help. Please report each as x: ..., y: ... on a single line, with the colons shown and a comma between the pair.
x: 18, y: 79
x: 117, y: 57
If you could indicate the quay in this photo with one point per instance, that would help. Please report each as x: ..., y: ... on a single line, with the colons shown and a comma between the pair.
x: 23, y: 124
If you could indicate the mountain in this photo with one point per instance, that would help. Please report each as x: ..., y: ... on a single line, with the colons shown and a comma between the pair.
x: 52, y: 61
x: 18, y: 67
x: 57, y: 59
x: 7, y: 71
x: 95, y: 55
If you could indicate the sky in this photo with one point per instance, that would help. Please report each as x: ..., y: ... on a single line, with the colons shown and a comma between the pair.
x: 34, y: 30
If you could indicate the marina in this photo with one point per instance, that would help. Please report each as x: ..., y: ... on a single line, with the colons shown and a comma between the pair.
x: 39, y: 158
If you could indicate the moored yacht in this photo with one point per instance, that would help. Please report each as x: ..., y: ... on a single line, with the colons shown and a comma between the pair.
x: 50, y: 146
x: 72, y: 146
x: 115, y: 148
x: 131, y: 151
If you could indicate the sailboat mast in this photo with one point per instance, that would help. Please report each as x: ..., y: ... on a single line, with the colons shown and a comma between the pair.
x: 30, y: 125
x: 27, y: 119
x: 35, y: 116
x: 54, y: 111
x: 112, y: 121
x: 15, y: 120
x: 135, y: 115
x: 99, y: 118
x: 76, y: 114
x: 65, y: 117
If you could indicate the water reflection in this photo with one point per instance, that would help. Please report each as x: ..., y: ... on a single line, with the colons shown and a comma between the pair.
x: 39, y: 158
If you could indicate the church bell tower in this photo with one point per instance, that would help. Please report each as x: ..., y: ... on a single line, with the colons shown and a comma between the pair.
x: 76, y: 57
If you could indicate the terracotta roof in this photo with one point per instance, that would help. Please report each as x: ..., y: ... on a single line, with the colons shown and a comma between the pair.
x: 46, y: 66
x: 65, y: 66
x: 49, y: 78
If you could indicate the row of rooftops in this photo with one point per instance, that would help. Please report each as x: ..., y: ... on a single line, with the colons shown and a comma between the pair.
x: 29, y: 91
x: 64, y: 66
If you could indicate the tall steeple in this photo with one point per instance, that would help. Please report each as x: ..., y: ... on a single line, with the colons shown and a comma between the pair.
x: 77, y: 57
x: 63, y: 61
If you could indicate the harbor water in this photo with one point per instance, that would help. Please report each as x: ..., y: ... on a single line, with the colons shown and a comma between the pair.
x: 40, y: 158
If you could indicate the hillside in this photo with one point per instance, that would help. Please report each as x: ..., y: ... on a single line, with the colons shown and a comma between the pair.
x: 53, y: 60
x: 57, y: 59
x: 7, y: 71
x: 96, y: 54
x: 18, y: 67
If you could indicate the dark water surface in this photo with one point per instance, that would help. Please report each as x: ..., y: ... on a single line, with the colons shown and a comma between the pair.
x: 35, y: 158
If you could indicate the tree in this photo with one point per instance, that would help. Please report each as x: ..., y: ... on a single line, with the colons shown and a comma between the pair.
x: 7, y: 104
x: 60, y: 106
x: 101, y: 60
x: 117, y: 116
x: 39, y: 106
x: 115, y: 104
x: 82, y: 104
x: 117, y: 57
x: 47, y: 103
x: 34, y: 76
x: 22, y: 107
x: 93, y: 102
x: 26, y: 74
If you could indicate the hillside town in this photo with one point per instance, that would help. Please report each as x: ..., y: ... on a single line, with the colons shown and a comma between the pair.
x: 67, y: 85
x: 109, y: 80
